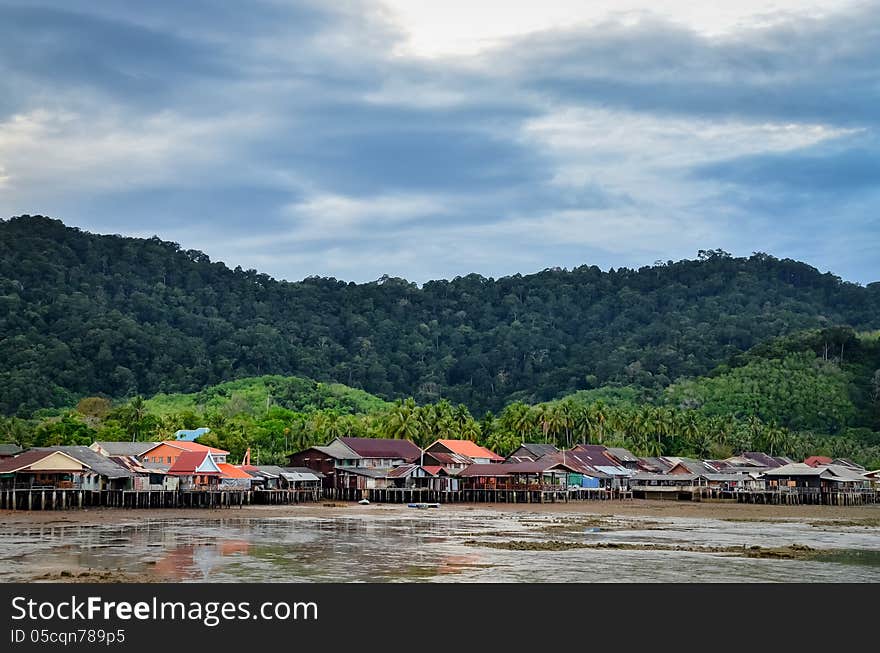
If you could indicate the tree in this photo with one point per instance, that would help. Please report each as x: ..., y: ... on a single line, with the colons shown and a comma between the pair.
x: 401, y: 421
x: 95, y: 407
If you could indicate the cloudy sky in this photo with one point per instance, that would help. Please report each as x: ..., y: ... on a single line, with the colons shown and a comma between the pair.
x: 427, y: 140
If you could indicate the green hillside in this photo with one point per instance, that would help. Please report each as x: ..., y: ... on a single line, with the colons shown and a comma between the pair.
x: 84, y: 314
x: 258, y: 394
x: 789, y: 396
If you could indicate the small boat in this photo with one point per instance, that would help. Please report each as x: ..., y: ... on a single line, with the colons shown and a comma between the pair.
x: 422, y: 506
x: 364, y: 502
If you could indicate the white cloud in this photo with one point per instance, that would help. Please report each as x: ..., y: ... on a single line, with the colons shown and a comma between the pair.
x: 329, y: 216
x: 107, y: 151
x: 467, y: 27
x: 646, y: 157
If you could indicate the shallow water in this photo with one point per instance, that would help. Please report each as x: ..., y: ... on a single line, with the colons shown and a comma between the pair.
x: 430, y: 546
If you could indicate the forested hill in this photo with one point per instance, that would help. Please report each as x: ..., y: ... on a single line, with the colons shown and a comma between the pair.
x: 84, y: 314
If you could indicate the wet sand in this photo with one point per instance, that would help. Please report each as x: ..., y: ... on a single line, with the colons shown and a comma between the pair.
x: 603, y: 541
x: 633, y: 508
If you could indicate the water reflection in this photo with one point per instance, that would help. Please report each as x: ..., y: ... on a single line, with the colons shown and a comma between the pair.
x: 427, y: 547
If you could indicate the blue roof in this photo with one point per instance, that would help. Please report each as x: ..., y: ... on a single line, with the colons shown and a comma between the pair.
x: 189, y: 436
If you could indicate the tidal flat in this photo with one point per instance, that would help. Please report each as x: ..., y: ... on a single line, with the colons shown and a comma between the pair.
x: 631, y: 541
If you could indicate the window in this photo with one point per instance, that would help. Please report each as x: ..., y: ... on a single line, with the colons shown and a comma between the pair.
x: 169, y: 460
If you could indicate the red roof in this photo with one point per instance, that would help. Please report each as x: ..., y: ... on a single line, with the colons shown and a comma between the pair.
x: 468, y: 448
x: 188, y: 462
x: 231, y: 471
x: 433, y: 470
x: 192, y: 446
x: 383, y: 448
x: 815, y: 461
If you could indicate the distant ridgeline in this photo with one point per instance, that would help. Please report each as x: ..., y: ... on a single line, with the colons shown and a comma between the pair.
x: 84, y: 314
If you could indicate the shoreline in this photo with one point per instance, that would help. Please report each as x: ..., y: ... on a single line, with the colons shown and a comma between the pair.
x: 627, y: 508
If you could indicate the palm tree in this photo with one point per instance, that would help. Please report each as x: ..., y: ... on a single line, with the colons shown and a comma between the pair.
x: 777, y: 439
x: 133, y: 417
x: 554, y: 424
x: 690, y: 428
x: 461, y: 416
x: 470, y: 431
x: 582, y: 424
x: 598, y: 418
x: 665, y: 424
x: 566, y: 411
x: 755, y: 429
x: 402, y: 421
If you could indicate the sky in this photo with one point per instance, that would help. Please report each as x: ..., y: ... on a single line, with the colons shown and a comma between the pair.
x: 429, y: 140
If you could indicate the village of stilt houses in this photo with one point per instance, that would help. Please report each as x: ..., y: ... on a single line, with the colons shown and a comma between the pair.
x: 183, y: 473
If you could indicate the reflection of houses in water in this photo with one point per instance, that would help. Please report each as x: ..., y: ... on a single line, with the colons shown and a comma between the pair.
x: 197, y: 561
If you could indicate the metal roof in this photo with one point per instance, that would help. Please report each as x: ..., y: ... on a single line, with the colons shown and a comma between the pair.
x: 190, y: 435
x: 842, y: 473
x: 485, y: 469
x: 656, y: 464
x: 134, y: 464
x: 724, y: 477
x: 372, y: 472
x: 266, y: 470
x: 449, y: 458
x: 647, y: 476
x: 189, y: 462
x: 694, y: 466
x: 614, y: 470
x: 402, y: 471
x: 382, y: 448
x: 505, y: 469
x: 535, y: 467
x: 298, y: 476
x: 795, y: 469
x: 595, y: 456
x: 304, y: 470
x: 231, y: 471
x: 538, y: 449
x: 185, y: 445
x: 763, y: 459
x: 467, y: 448
x: 99, y: 464
x: 623, y: 455
x: 10, y: 449
x: 24, y: 459
x: 848, y: 463
x: 405, y: 470
x: 336, y: 450
x: 123, y: 448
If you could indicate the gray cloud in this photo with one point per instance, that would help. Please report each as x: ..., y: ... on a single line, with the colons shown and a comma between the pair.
x: 287, y: 137
x: 807, y: 69
x: 839, y: 167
